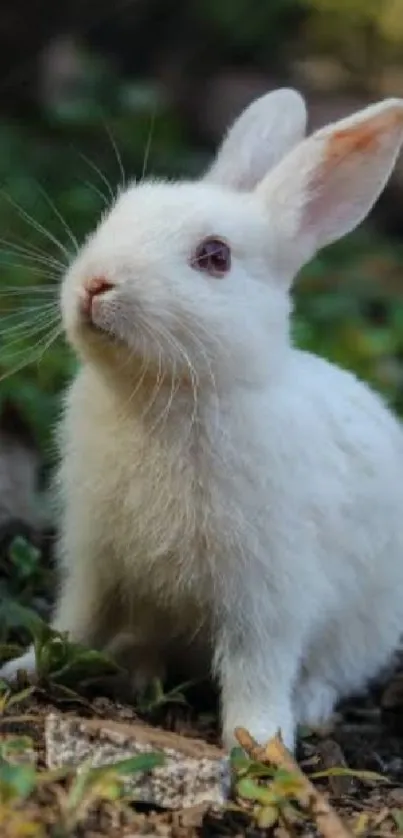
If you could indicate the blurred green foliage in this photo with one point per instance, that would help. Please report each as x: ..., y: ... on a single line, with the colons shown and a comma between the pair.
x: 349, y: 303
x: 67, y: 167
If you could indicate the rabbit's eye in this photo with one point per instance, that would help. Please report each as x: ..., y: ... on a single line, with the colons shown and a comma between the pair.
x: 212, y: 256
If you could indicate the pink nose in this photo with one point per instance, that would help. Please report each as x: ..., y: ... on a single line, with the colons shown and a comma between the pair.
x: 95, y: 287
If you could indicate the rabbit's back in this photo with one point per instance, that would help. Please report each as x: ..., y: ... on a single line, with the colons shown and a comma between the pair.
x: 340, y: 459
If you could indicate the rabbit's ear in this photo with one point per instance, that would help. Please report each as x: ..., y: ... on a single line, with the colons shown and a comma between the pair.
x: 327, y: 185
x: 260, y: 137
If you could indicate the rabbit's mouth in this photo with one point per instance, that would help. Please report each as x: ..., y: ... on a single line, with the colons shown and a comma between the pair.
x: 104, y: 329
x: 93, y: 325
x: 100, y: 312
x: 94, y: 299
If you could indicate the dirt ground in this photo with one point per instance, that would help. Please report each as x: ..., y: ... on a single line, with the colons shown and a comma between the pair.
x: 367, y: 735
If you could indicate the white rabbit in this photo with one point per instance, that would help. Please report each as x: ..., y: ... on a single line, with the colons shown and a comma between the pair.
x: 226, y: 497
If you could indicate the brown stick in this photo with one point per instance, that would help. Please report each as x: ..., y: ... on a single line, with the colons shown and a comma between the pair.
x: 275, y: 753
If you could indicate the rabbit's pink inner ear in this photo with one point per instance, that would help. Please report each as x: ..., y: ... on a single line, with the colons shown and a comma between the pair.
x: 353, y: 167
x: 363, y: 138
x: 328, y: 184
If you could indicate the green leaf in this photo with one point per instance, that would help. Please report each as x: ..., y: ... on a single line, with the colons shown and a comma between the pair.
x: 9, y: 651
x: 250, y: 790
x: 20, y: 696
x: 257, y: 769
x: 80, y: 784
x: 397, y: 815
x: 142, y: 762
x: 79, y: 663
x: 89, y: 776
x: 16, y: 781
x: 19, y: 745
x: 16, y: 615
x: 287, y: 783
x: 24, y: 556
x: 239, y: 762
x: 65, y: 694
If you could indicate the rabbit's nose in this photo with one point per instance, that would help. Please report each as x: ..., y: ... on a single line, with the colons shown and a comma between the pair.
x: 93, y: 288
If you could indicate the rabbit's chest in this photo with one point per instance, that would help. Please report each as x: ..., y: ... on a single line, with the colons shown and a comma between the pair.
x: 171, y: 510
x: 177, y: 512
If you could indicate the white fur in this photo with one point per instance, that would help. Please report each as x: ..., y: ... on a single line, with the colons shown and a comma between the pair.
x: 268, y: 128
x: 226, y: 497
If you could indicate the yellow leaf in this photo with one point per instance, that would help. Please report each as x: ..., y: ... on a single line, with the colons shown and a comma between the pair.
x: 365, y: 776
x: 266, y: 816
x: 361, y: 823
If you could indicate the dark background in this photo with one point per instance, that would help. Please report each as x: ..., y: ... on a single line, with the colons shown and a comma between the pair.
x: 88, y: 89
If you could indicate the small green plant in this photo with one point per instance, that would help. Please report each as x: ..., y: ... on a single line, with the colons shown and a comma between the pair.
x: 270, y: 791
x: 105, y: 783
x: 155, y: 696
x: 25, y: 587
x: 17, y: 775
x: 8, y: 698
x: 78, y: 789
x: 273, y: 792
x: 16, y: 782
x: 59, y: 662
x: 25, y: 561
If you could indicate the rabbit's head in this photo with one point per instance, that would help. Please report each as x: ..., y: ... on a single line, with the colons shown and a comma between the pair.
x: 193, y: 278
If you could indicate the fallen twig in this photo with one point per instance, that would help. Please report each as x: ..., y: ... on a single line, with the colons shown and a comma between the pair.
x: 275, y: 753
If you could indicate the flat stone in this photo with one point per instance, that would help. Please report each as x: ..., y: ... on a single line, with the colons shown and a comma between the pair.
x: 194, y: 772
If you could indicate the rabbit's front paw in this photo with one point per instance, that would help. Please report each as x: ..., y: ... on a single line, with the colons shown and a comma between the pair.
x: 262, y: 723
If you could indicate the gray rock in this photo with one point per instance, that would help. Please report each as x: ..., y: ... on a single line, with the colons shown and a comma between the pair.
x: 194, y: 772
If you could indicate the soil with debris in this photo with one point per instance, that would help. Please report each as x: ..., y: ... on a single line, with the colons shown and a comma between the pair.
x: 367, y: 734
